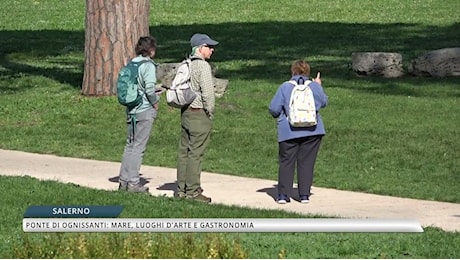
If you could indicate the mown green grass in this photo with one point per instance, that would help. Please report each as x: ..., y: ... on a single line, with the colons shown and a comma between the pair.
x: 386, y: 136
x: 433, y: 243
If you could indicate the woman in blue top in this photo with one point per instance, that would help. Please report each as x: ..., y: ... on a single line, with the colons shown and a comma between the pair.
x: 297, y: 145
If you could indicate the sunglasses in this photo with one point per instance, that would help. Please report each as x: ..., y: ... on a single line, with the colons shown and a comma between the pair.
x: 209, y: 46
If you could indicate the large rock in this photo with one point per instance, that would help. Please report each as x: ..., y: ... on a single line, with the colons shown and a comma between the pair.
x: 437, y: 63
x: 386, y: 64
x: 166, y: 72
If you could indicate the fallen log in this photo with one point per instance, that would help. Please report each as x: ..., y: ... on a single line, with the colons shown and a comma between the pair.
x: 386, y: 64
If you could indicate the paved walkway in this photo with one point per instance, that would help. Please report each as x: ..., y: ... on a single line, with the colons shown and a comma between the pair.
x: 255, y: 193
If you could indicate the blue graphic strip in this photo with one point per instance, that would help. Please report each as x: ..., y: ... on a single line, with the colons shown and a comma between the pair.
x: 73, y: 211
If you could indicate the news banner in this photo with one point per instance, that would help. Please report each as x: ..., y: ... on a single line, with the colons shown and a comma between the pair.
x: 105, y: 219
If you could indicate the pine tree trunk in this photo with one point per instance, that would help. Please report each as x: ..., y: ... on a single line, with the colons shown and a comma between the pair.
x: 112, y: 28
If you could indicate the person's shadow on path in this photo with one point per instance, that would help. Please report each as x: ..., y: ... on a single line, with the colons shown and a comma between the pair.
x: 273, y: 192
x: 169, y: 186
x: 142, y: 180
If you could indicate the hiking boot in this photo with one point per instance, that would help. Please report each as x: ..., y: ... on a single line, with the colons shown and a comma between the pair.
x: 180, y: 195
x: 123, y: 186
x: 199, y: 197
x: 304, y: 198
x: 283, y: 199
x: 137, y: 188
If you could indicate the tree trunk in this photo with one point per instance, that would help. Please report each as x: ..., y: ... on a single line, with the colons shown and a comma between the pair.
x: 112, y: 28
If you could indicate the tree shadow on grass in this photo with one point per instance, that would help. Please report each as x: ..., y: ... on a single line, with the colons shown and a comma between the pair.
x: 263, y: 51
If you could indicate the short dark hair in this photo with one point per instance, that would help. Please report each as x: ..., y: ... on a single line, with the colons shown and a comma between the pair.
x: 145, y: 44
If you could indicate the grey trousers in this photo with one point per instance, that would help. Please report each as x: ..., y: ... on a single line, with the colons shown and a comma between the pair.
x: 195, y: 137
x: 301, y: 152
x: 136, y: 143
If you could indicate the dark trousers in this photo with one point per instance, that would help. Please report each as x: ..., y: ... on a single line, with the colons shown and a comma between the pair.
x: 301, y: 152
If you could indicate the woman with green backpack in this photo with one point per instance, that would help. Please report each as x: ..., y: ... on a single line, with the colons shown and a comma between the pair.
x: 140, y: 117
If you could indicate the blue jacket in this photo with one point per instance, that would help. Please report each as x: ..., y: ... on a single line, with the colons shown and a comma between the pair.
x: 279, y: 108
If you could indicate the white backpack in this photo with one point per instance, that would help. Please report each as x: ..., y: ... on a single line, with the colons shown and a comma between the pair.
x: 302, y: 109
x: 180, y: 93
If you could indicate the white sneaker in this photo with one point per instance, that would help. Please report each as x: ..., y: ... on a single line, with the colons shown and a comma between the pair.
x: 304, y: 199
x: 281, y: 201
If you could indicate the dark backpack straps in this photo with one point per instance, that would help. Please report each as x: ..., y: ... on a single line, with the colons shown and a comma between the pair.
x: 301, y: 80
x: 194, y: 58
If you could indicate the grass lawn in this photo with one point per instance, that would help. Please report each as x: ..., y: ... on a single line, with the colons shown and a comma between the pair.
x: 394, y: 137
x: 386, y: 136
x: 433, y: 243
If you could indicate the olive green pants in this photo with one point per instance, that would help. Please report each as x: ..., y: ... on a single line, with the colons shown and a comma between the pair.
x: 195, y: 137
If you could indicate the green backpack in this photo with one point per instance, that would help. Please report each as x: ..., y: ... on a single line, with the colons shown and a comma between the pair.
x: 128, y: 91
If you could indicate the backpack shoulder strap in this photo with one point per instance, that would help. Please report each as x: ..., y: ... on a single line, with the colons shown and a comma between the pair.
x: 139, y: 63
x: 306, y: 83
x: 293, y: 82
x: 194, y: 58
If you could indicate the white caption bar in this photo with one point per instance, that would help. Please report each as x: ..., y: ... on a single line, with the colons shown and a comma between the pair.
x: 218, y: 225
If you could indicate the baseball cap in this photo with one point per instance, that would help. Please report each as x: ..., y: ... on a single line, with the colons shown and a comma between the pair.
x: 201, y: 39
